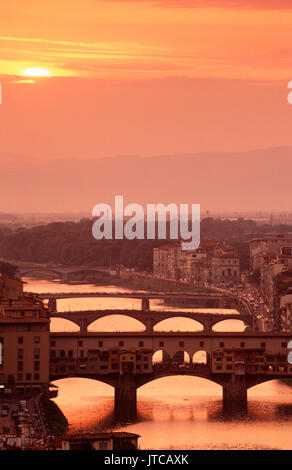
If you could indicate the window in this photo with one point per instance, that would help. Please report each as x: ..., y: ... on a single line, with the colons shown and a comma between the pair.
x: 219, y: 359
x: 81, y: 353
x: 221, y: 344
x: 36, y: 365
x: 20, y: 328
x: 161, y: 344
x: 28, y: 376
x: 36, y: 339
x: 181, y: 344
x: 121, y: 343
x: 80, y: 343
x: 141, y: 344
x: 100, y: 344
x: 37, y: 376
x: 202, y: 344
x: 218, y: 367
x: 229, y: 358
x: 20, y: 339
x: 20, y: 366
x: 229, y: 367
x: 36, y: 353
x: 263, y: 345
x: 53, y: 343
x: 242, y: 344
x: 70, y: 353
x: 283, y: 345
x: 145, y: 366
x: 62, y: 353
x: 19, y: 377
x: 20, y: 353
x: 145, y: 358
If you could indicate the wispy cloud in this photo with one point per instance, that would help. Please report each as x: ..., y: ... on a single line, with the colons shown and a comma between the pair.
x: 246, y: 4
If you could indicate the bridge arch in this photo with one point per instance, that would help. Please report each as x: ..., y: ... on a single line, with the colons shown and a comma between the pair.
x: 64, y: 325
x: 181, y: 357
x: 201, y: 357
x: 234, y: 324
x: 41, y: 269
x: 191, y: 324
x: 116, y: 322
x: 183, y: 374
x: 161, y: 357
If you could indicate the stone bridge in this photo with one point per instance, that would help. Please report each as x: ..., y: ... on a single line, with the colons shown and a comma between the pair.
x: 234, y: 387
x: 150, y: 318
x: 64, y: 273
x: 195, y: 300
x: 234, y: 384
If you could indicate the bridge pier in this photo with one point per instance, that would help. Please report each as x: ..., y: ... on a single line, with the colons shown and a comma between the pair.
x: 126, y: 397
x: 235, y: 395
x: 83, y: 326
x: 145, y: 304
x: 207, y: 326
x: 52, y: 304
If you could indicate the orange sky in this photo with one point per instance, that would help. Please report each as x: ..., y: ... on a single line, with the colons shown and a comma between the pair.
x: 143, y: 78
x: 143, y: 39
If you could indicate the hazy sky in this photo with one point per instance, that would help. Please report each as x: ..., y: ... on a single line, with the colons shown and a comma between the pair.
x: 143, y: 78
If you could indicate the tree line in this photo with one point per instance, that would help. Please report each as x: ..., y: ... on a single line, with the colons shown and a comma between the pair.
x: 72, y: 243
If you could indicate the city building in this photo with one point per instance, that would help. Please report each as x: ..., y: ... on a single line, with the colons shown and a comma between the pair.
x: 213, y: 263
x: 241, y: 361
x: 24, y: 340
x: 268, y: 244
x: 271, y: 263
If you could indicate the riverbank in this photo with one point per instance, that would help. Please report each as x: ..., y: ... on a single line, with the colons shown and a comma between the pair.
x: 55, y: 421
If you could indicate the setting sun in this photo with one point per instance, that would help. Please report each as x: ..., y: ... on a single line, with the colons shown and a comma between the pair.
x: 36, y: 72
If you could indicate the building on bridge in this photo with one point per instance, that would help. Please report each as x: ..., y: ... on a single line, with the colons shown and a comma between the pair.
x: 24, y: 338
x: 80, y: 361
x: 241, y: 361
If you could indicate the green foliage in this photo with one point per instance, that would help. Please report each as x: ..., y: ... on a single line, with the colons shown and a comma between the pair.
x: 8, y: 269
x: 70, y: 243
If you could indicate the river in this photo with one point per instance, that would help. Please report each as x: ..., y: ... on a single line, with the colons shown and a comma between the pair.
x: 174, y: 412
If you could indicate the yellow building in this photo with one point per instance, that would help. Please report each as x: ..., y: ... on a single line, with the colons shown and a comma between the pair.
x: 24, y: 337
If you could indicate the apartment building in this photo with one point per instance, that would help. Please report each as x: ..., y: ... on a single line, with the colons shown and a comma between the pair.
x: 213, y: 263
x: 270, y: 244
x: 24, y: 340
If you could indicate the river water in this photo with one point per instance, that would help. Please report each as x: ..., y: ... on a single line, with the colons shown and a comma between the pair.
x: 173, y: 412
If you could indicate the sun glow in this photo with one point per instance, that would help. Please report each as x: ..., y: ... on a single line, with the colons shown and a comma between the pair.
x: 36, y: 72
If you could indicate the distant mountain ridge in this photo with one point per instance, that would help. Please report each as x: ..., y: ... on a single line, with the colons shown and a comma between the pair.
x: 253, y: 180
